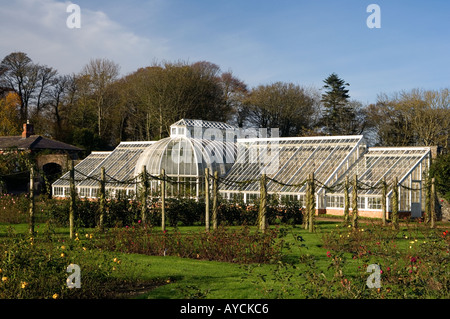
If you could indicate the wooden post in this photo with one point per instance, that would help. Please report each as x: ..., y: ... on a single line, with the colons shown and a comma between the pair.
x: 312, y: 202
x: 262, y: 203
x: 427, y: 217
x: 307, y: 204
x: 383, y: 202
x: 215, y: 199
x: 73, y: 194
x: 355, y: 202
x: 144, y: 195
x: 395, y: 204
x: 433, y: 204
x: 163, y: 200
x: 207, y: 198
x: 31, y: 206
x: 102, y: 198
x: 347, y: 202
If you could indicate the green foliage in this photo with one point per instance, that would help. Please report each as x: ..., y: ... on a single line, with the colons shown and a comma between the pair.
x: 13, y: 161
x: 13, y: 208
x: 338, y: 113
x: 336, y: 94
x: 33, y: 268
x: 185, y: 212
x: 87, y: 139
x: 440, y: 170
x: 413, y: 260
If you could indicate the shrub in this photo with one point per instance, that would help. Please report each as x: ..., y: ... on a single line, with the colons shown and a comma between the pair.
x: 13, y: 208
x: 185, y: 212
x: 32, y: 268
x: 239, y: 246
x: 414, y: 261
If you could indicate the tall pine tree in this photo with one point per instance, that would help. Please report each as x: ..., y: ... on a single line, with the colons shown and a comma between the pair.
x: 338, y: 112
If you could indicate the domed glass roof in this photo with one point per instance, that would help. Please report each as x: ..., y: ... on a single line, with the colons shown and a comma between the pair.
x: 188, y: 157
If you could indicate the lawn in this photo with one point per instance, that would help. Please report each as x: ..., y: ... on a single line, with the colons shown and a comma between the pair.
x: 329, y: 263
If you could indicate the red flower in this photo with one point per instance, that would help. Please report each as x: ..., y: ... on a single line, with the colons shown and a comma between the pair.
x: 328, y: 254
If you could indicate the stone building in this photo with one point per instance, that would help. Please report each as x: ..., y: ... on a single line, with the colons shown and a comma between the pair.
x: 51, y: 156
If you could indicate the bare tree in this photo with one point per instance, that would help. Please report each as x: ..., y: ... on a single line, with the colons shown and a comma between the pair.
x: 57, y: 103
x: 235, y: 92
x: 286, y: 106
x: 99, y: 74
x: 45, y: 80
x: 415, y: 117
x: 20, y: 74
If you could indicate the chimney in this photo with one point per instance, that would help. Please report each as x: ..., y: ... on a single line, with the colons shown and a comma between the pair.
x: 27, y: 130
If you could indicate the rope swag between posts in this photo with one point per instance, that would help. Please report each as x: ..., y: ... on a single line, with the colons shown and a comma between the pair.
x: 309, y: 185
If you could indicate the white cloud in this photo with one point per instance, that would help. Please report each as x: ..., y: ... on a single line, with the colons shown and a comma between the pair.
x: 38, y: 28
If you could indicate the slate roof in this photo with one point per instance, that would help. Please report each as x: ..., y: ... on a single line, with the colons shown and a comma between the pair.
x: 35, y: 143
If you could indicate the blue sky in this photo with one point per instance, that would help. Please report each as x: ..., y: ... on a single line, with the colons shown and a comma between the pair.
x: 261, y: 42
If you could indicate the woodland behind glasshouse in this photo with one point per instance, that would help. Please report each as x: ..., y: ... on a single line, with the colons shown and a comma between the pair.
x: 98, y: 107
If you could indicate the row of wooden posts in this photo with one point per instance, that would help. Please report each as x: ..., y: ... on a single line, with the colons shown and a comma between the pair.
x: 309, y: 212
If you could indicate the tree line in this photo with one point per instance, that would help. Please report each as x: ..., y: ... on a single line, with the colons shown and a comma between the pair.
x: 97, y: 108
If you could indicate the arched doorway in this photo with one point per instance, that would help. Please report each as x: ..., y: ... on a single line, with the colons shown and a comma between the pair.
x: 51, y: 172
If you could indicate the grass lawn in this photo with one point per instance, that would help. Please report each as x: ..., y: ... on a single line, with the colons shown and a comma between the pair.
x: 219, y: 280
x: 306, y: 264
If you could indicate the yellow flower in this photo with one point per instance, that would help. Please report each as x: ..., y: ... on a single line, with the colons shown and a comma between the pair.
x: 4, y: 279
x: 23, y: 284
x: 87, y: 235
x: 63, y: 247
x: 115, y: 260
x: 55, y: 296
x: 62, y: 254
x: 84, y: 248
x: 90, y: 236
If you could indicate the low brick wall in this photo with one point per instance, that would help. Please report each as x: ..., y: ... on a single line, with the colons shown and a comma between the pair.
x: 362, y: 213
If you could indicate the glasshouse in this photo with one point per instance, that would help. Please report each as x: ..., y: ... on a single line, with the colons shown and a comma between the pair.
x: 196, y: 148
x: 192, y: 147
